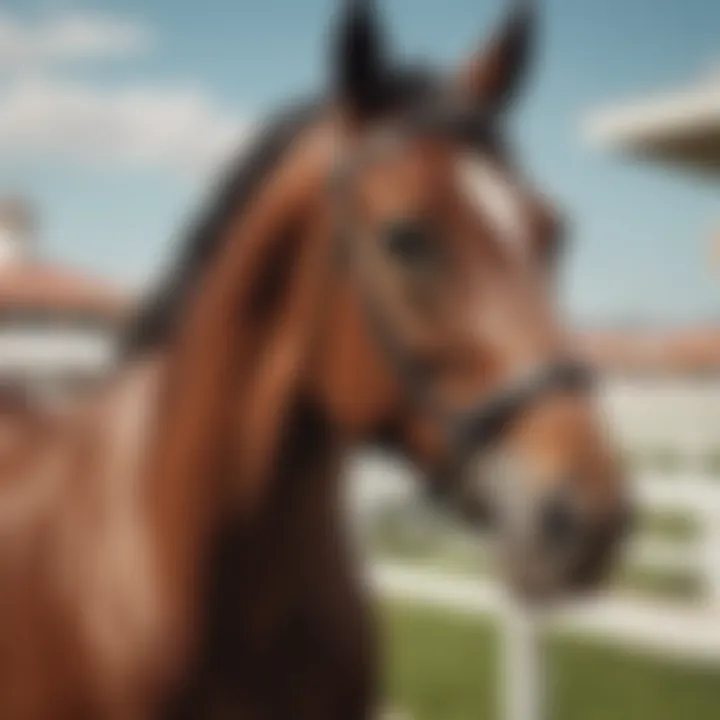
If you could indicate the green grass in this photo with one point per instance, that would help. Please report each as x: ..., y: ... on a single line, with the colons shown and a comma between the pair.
x: 599, y: 682
x: 713, y: 463
x: 667, y: 584
x: 439, y: 554
x: 441, y: 666
x: 438, y: 666
x: 677, y: 526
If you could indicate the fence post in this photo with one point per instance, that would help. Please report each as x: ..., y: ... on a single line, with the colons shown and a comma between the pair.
x: 523, y: 669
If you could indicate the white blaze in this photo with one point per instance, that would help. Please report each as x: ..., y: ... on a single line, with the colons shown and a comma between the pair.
x: 494, y: 196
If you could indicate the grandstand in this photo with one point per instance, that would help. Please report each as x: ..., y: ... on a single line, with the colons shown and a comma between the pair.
x: 680, y: 128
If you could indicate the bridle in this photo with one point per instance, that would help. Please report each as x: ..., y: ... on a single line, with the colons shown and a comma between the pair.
x: 482, y: 423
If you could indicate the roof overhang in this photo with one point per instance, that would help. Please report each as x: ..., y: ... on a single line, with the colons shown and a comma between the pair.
x: 682, y: 129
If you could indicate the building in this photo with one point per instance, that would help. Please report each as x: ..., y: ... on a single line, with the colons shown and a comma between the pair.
x: 663, y: 391
x: 680, y: 128
x: 58, y: 326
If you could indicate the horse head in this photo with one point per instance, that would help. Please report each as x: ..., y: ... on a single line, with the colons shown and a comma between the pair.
x: 444, y: 336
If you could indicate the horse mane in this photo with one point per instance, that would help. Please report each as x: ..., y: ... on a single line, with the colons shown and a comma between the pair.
x: 158, y: 315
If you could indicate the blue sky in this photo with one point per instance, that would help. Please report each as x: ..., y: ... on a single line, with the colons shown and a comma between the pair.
x: 640, y: 236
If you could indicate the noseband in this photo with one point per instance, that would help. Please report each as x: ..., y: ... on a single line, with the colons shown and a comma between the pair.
x: 474, y: 429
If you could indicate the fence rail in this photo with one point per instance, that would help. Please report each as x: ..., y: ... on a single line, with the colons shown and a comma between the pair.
x: 689, y: 630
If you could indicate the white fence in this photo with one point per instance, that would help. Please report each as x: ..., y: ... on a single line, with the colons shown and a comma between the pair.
x: 679, y: 416
x: 650, y: 417
x: 687, y: 630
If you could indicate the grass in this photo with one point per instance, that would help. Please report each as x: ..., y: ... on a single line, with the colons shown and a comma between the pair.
x: 441, y: 666
x: 673, y: 463
x: 713, y: 463
x: 675, y: 526
x: 676, y: 584
x: 439, y: 553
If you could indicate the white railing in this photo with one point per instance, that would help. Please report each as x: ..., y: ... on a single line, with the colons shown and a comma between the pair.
x: 656, y: 420
x: 699, y: 497
x: 689, y: 630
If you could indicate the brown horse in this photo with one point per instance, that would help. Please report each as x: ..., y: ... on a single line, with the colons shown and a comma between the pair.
x: 374, y: 271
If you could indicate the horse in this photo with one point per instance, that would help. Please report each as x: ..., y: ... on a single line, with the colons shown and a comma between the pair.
x: 373, y: 270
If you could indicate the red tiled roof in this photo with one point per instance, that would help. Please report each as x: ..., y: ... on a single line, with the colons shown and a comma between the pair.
x: 49, y: 287
x: 687, y: 350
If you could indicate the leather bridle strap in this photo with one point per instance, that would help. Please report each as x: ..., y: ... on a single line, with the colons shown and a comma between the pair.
x: 483, y: 422
x: 478, y: 428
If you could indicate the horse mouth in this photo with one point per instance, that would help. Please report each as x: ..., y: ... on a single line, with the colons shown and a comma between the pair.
x: 575, y: 561
x: 539, y: 576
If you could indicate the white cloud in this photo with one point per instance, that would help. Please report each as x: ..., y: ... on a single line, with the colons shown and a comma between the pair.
x: 133, y: 126
x: 49, y: 113
x: 68, y: 38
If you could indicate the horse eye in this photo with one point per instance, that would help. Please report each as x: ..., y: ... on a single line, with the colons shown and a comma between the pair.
x: 409, y: 242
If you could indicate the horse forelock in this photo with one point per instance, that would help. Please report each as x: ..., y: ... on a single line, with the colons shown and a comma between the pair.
x: 494, y: 195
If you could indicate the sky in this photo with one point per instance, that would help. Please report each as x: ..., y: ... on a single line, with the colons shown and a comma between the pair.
x: 116, y: 114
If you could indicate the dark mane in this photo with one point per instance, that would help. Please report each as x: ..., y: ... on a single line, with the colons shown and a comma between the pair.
x: 159, y: 313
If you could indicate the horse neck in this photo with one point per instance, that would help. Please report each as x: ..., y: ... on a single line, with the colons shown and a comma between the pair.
x: 292, y: 528
x: 232, y: 426
x: 237, y: 575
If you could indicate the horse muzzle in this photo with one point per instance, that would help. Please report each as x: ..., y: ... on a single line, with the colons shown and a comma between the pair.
x: 555, y: 541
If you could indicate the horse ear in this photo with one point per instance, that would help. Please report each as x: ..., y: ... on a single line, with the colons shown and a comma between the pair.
x: 494, y: 75
x: 359, y: 58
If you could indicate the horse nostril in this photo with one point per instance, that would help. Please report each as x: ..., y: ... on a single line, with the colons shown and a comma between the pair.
x: 559, y: 522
